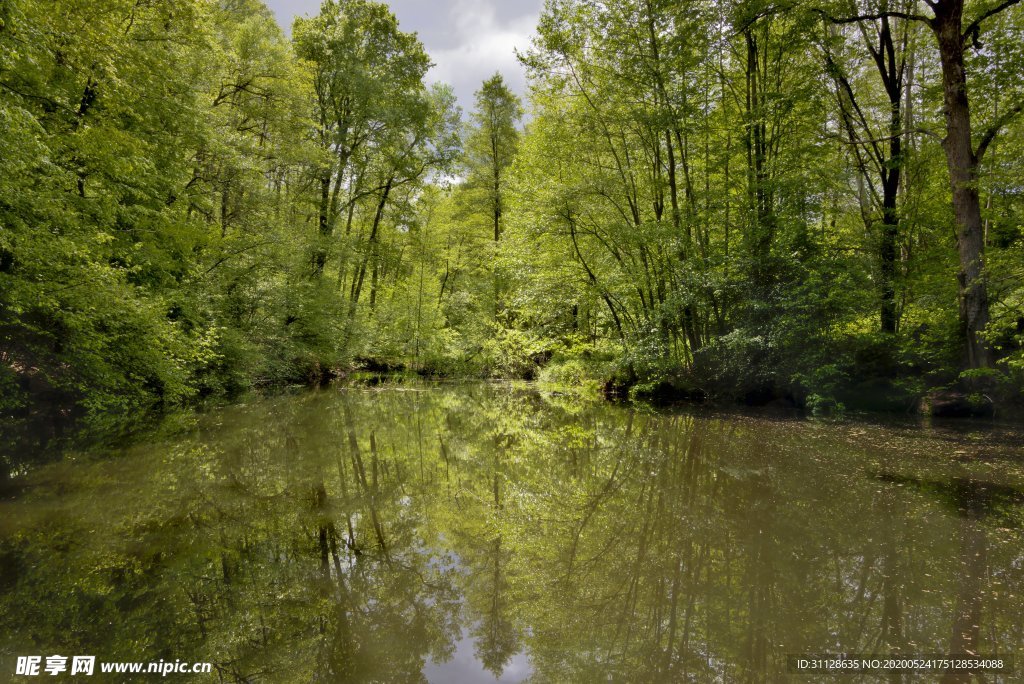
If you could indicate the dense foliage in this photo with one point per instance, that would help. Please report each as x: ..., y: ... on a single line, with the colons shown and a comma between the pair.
x: 165, y: 167
x: 815, y: 201
x: 755, y: 203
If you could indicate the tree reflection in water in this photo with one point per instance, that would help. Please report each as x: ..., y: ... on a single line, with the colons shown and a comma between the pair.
x: 356, y: 536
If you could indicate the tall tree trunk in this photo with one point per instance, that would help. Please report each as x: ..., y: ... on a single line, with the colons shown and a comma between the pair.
x: 761, y: 231
x: 963, y: 177
x: 323, y: 223
x: 224, y: 209
x: 495, y: 180
x: 892, y: 76
x: 888, y: 252
x: 371, y: 249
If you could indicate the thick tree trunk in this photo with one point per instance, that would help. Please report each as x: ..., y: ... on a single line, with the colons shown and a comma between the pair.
x: 963, y: 176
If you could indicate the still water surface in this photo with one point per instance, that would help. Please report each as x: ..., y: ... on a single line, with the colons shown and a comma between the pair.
x: 474, y: 533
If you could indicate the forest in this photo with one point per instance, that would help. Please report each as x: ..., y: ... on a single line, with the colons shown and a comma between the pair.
x: 809, y: 202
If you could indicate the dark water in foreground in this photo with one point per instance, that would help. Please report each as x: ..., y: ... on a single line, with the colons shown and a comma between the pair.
x: 463, y: 533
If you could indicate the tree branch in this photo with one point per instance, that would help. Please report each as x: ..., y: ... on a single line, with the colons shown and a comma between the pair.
x: 858, y: 141
x: 974, y: 26
x: 992, y: 131
x: 878, y: 15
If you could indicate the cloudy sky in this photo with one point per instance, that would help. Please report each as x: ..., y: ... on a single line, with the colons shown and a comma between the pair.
x: 468, y: 40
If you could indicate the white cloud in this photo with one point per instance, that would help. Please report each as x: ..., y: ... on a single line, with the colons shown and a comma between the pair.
x: 484, y: 44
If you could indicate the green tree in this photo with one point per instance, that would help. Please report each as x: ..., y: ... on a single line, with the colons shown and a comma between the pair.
x: 878, y: 135
x: 368, y: 82
x: 491, y: 144
x: 963, y: 155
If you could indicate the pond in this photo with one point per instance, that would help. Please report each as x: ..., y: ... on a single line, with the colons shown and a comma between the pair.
x: 488, y: 532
